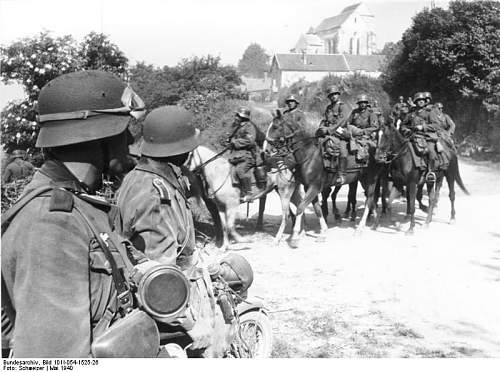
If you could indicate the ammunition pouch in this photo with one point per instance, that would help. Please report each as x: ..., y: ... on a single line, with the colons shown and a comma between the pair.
x: 134, y: 336
x: 235, y: 159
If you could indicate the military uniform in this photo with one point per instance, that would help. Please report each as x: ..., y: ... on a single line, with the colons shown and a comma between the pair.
x: 396, y: 109
x: 362, y: 122
x: 339, y: 110
x: 421, y: 116
x: 56, y: 275
x: 294, y: 119
x: 154, y: 212
x: 17, y: 169
x: 244, y: 148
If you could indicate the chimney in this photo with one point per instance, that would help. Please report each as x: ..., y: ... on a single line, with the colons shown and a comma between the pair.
x: 304, y: 59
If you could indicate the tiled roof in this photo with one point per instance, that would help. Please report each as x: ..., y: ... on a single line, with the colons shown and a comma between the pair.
x: 329, y: 62
x: 314, y: 62
x: 332, y: 22
x: 350, y: 8
x: 368, y: 63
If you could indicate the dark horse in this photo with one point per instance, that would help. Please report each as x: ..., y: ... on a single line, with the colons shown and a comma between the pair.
x: 307, y: 157
x: 398, y: 151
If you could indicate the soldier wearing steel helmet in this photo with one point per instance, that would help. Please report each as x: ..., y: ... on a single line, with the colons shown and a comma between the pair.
x: 419, y: 123
x: 293, y: 117
x: 244, y: 150
x: 154, y: 213
x: 336, y: 106
x: 18, y: 168
x: 56, y: 278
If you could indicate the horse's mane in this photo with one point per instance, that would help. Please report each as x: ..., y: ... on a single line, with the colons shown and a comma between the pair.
x: 205, y: 153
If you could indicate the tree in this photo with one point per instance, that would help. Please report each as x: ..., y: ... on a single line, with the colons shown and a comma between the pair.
x: 33, y: 62
x: 254, y: 62
x: 455, y: 54
x: 99, y: 53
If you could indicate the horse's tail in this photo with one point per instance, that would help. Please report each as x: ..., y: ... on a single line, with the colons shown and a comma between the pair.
x: 458, y: 178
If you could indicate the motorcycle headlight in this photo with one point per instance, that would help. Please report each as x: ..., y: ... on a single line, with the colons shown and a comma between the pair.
x: 162, y: 290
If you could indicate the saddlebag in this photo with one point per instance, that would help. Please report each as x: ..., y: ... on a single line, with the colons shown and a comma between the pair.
x: 420, y: 145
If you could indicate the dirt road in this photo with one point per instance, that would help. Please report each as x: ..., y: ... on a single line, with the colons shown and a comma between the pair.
x: 385, y: 294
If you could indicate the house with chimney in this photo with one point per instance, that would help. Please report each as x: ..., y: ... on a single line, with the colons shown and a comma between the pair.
x: 340, y: 45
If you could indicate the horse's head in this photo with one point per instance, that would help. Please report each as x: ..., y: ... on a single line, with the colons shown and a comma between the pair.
x: 194, y: 159
x: 386, y: 142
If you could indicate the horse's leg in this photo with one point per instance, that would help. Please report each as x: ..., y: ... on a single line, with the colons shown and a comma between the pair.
x: 285, y: 196
x: 369, y: 205
x: 411, y: 192
x: 311, y: 193
x: 420, y: 195
x: 393, y: 194
x: 260, y: 219
x: 325, y: 193
x: 231, y: 228
x: 322, y: 222
x: 216, y: 218
x: 432, y: 190
x: 384, y: 183
x: 351, y: 199
x: 335, y: 211
x: 225, y: 235
x: 450, y: 178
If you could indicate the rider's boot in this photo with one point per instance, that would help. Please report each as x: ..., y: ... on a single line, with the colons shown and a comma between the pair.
x: 246, y: 190
x: 341, y: 172
x: 431, y: 175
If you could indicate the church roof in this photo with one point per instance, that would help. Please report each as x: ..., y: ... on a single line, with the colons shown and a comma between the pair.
x: 329, y: 62
x: 336, y: 21
x: 312, y: 39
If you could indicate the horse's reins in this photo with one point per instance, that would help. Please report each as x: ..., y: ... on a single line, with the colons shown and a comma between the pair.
x: 199, y: 168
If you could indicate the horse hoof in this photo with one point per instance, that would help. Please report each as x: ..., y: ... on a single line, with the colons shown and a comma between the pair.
x: 352, y: 219
x: 338, y: 217
x: 424, y: 208
x: 426, y: 226
x: 453, y: 221
x: 409, y: 233
x: 358, y: 232
x: 259, y: 227
x: 294, y: 243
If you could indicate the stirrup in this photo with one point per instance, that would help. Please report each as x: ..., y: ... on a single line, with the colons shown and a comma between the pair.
x: 431, y: 177
x: 246, y: 199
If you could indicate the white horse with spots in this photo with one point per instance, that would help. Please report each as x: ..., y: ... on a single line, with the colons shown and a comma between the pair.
x: 213, y: 175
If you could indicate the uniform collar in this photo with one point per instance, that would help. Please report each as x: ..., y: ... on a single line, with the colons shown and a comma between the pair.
x: 61, y: 176
x: 169, y: 171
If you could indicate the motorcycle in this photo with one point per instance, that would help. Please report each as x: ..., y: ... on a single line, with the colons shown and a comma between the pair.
x: 248, y: 331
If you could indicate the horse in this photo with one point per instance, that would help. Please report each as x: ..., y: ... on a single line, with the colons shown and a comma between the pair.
x: 397, y: 150
x: 309, y: 170
x: 214, y: 182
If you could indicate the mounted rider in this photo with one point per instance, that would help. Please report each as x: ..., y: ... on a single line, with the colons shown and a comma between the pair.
x: 331, y: 128
x: 396, y: 109
x: 245, y: 153
x: 425, y: 133
x: 375, y: 108
x: 362, y: 123
x: 293, y: 117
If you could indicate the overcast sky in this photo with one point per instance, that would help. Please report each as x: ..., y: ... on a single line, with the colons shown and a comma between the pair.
x: 164, y: 32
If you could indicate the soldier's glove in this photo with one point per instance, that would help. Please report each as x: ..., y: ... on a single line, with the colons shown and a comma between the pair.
x: 201, y: 334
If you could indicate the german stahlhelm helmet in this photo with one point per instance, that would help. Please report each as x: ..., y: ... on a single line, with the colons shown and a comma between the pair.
x: 167, y: 131
x: 85, y: 106
x: 291, y: 98
x: 332, y: 90
x: 243, y: 112
x: 428, y: 95
x: 18, y: 154
x: 362, y: 98
x: 418, y: 96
